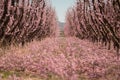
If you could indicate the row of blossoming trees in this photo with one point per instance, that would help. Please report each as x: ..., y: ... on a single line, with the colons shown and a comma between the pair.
x: 96, y: 20
x: 24, y: 20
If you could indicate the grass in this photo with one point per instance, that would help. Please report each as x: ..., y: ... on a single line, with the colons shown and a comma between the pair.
x: 73, y: 50
x: 6, y: 74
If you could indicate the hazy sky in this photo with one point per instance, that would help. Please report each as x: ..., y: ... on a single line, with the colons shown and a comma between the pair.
x: 61, y: 7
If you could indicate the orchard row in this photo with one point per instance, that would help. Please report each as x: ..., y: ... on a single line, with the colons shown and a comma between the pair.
x: 96, y: 20
x: 22, y: 21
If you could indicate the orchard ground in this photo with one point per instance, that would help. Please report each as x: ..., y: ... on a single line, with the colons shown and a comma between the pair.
x: 60, y: 58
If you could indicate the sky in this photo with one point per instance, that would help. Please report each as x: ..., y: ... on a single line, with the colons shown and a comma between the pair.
x: 61, y: 7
